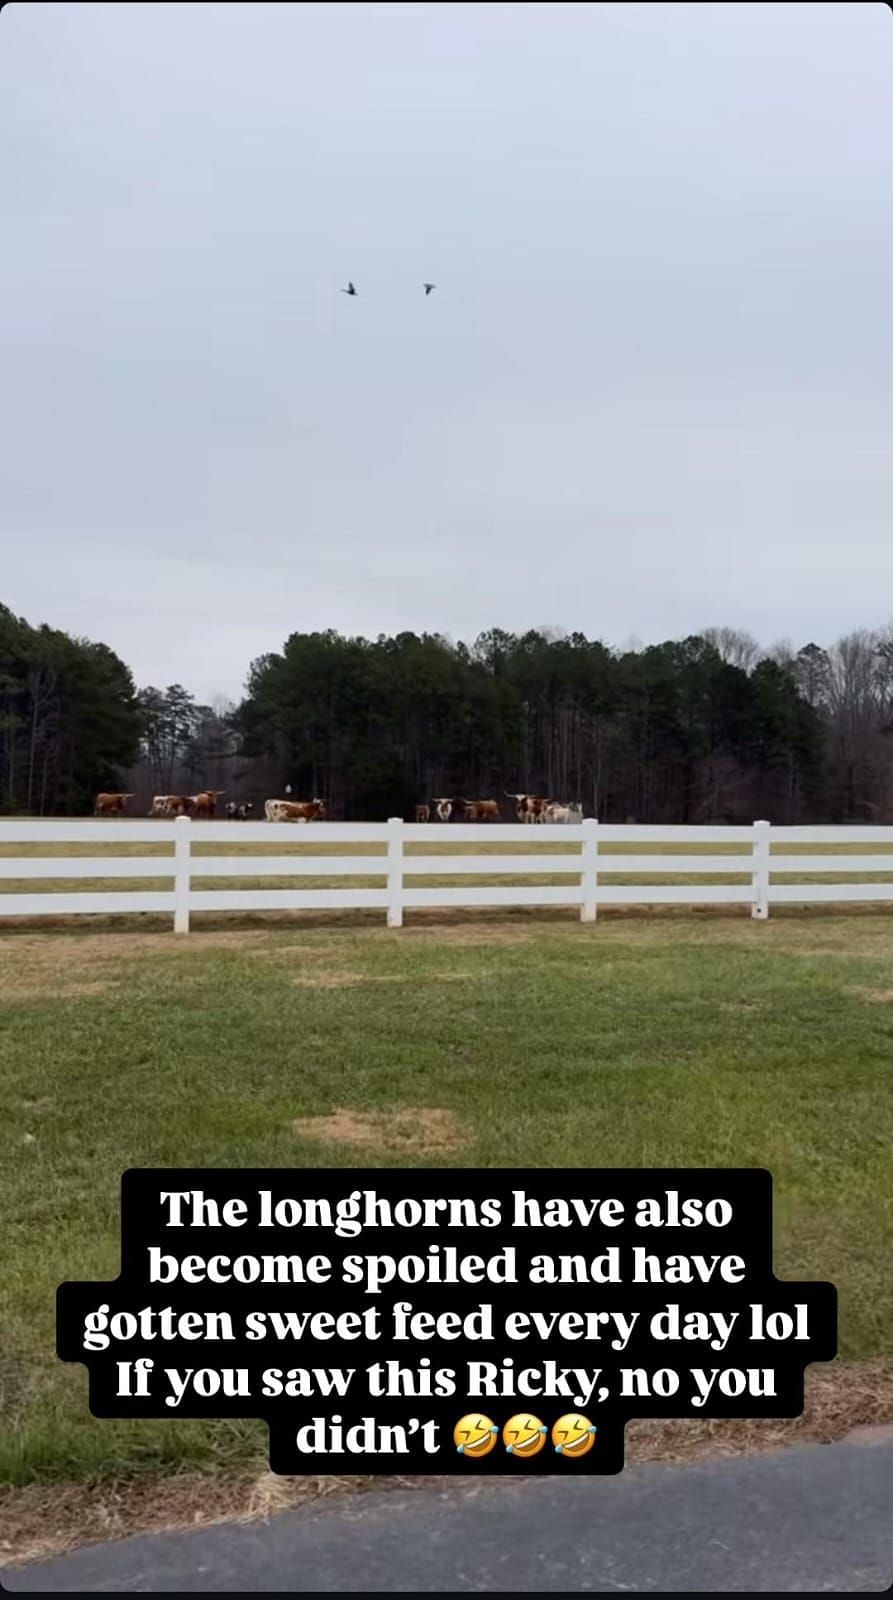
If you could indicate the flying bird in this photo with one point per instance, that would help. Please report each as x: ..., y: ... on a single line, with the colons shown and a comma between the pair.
x: 349, y: 290
x: 428, y: 287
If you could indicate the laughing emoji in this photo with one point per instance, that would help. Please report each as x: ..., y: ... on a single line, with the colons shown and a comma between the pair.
x: 475, y: 1435
x: 573, y: 1435
x: 524, y: 1435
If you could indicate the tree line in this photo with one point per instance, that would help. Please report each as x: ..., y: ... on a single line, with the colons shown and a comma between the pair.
x: 69, y: 719
x: 710, y: 728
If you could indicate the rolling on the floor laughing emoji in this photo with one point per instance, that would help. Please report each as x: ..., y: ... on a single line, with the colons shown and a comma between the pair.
x: 475, y: 1435
x: 573, y: 1436
x: 524, y: 1435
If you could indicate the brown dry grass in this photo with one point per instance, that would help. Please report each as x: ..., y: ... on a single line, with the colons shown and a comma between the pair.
x: 28, y: 985
x: 876, y: 996
x: 350, y: 980
x: 414, y: 1130
x: 839, y: 1399
x: 42, y: 966
x: 104, y: 943
x: 40, y: 1522
x: 486, y: 926
x: 466, y: 933
x: 341, y: 980
x: 86, y: 948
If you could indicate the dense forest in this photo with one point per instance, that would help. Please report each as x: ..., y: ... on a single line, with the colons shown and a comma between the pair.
x: 708, y: 728
x: 69, y: 719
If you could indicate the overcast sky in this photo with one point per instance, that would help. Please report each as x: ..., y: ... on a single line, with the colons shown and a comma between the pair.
x: 651, y: 391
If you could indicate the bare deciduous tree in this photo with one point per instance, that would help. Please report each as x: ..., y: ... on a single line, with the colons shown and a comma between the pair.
x: 735, y: 646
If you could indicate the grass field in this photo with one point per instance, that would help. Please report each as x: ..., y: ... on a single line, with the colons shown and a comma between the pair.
x: 520, y: 1039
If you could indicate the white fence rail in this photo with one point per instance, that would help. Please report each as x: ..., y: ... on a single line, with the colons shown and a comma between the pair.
x: 591, y: 860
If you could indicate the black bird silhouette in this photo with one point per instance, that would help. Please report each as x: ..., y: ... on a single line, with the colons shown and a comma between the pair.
x: 350, y: 289
x: 428, y: 287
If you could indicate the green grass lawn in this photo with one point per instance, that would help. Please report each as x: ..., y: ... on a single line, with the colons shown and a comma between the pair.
x: 676, y: 1040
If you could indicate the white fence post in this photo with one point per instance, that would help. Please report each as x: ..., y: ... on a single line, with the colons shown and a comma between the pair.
x: 181, y: 876
x: 760, y: 880
x: 589, y: 873
x: 395, y: 872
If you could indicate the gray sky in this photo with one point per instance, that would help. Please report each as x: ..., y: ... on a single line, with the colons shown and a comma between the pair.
x: 652, y: 391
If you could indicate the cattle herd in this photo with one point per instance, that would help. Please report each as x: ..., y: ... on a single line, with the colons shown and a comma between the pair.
x: 530, y: 808
x: 203, y: 804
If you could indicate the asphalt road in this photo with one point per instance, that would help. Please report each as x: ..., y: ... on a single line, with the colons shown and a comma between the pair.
x: 813, y: 1520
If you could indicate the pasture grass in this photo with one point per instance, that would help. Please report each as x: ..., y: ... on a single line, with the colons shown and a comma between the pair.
x: 527, y: 1040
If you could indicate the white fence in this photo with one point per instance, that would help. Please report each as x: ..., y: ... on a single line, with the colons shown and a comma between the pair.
x: 590, y: 860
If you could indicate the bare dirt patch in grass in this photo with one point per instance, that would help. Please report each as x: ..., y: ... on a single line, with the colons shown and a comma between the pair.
x: 315, y: 952
x: 354, y: 980
x: 415, y: 1130
x: 340, y: 980
x: 41, y: 1521
x: 875, y: 996
x: 39, y: 968
x: 486, y: 933
x: 249, y: 940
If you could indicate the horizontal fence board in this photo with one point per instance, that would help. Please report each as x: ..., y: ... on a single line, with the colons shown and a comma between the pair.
x: 61, y: 905
x: 287, y: 899
x: 673, y: 833
x: 480, y: 832
x: 288, y: 866
x: 801, y: 892
x: 831, y: 863
x: 75, y: 830
x: 86, y: 866
x: 261, y: 832
x: 494, y: 895
x: 440, y: 866
x: 618, y: 894
x: 834, y: 833
x: 681, y: 864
